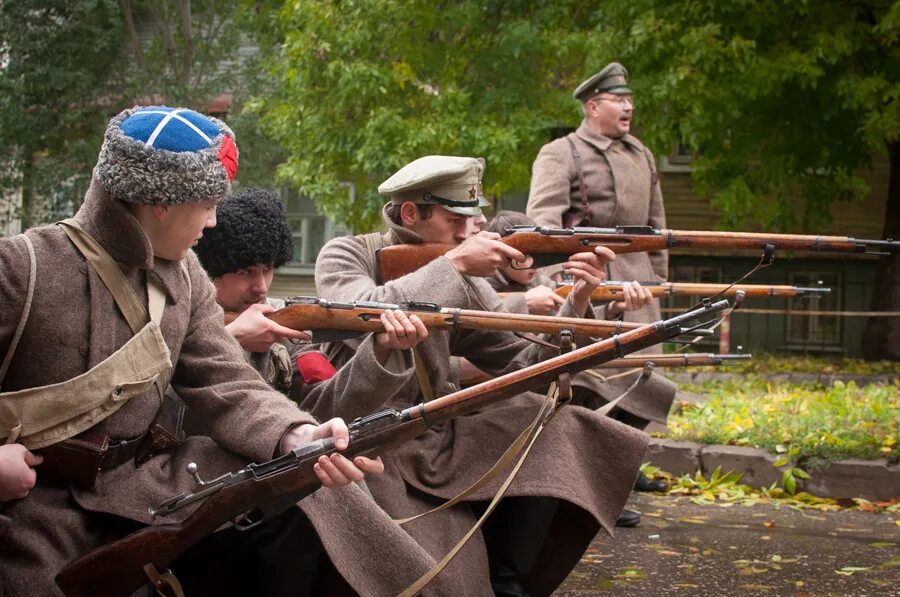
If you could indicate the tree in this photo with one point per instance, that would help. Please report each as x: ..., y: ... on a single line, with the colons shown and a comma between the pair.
x: 55, y: 60
x: 66, y: 67
x: 785, y: 102
x: 365, y: 86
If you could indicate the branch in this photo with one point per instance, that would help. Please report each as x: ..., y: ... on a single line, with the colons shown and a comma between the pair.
x: 131, y: 31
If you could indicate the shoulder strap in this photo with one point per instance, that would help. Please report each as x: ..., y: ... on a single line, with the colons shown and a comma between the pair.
x: 373, y: 241
x: 586, y: 210
x: 111, y: 274
x: 26, y: 308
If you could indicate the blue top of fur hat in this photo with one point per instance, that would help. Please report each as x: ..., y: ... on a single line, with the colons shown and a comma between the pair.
x: 157, y: 155
x: 170, y: 128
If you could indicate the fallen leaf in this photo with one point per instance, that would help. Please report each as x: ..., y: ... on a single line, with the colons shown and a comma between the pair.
x: 881, y: 544
x: 769, y: 524
x: 757, y: 587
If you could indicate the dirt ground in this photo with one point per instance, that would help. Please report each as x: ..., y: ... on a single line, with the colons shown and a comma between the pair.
x: 686, y: 549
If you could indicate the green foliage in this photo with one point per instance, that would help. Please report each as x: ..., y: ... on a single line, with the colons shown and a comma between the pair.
x: 801, y: 421
x: 770, y: 364
x: 784, y: 102
x: 55, y: 60
x: 366, y: 86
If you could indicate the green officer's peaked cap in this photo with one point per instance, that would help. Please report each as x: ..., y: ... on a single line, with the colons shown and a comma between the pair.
x: 612, y: 79
x: 452, y: 182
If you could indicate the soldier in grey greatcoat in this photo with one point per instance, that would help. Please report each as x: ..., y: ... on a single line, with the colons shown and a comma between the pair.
x: 251, y: 240
x: 99, y: 313
x: 602, y: 176
x: 584, y: 462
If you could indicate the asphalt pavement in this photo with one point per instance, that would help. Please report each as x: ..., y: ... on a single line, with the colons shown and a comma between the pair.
x: 686, y: 549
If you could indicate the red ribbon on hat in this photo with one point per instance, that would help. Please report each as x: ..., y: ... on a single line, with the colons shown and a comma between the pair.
x: 228, y: 156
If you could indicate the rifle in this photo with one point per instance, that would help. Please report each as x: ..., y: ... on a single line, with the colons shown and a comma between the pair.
x: 611, y: 291
x: 684, y: 359
x: 549, y: 246
x: 332, y: 321
x: 260, y: 490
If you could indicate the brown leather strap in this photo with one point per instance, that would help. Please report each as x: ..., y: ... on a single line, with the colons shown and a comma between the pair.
x: 582, y: 189
x: 121, y: 451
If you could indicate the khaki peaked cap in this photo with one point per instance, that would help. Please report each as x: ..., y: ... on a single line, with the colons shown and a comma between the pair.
x: 612, y: 79
x: 452, y: 182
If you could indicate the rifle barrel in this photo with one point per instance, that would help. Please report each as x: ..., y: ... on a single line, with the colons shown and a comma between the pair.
x: 611, y: 290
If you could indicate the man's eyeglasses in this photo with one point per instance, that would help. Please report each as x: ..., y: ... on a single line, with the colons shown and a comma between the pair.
x: 621, y: 100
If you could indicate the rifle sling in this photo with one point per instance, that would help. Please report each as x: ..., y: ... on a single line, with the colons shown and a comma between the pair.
x: 529, y: 436
x: 582, y: 190
x: 422, y: 376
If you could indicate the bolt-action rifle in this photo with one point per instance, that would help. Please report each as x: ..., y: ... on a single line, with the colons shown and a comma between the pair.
x: 331, y: 321
x: 612, y: 291
x: 549, y: 246
x: 252, y: 494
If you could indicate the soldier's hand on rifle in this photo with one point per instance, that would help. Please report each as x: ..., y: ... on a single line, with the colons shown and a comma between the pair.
x: 17, y: 475
x: 588, y: 270
x: 401, y: 332
x: 635, y: 297
x: 482, y: 255
x: 542, y: 300
x: 334, y: 470
x: 256, y: 333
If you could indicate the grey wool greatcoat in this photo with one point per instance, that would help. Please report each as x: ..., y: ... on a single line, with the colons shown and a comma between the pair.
x: 586, y: 461
x: 74, y: 324
x: 622, y: 188
x: 650, y: 401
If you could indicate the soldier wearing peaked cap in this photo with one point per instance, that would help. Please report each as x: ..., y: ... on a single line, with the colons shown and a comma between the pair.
x: 601, y: 175
x: 99, y: 313
x: 569, y: 486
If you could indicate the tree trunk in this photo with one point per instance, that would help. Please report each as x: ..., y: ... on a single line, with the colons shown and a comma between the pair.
x: 881, y: 339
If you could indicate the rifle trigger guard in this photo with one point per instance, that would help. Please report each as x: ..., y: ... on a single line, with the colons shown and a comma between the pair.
x: 165, y: 584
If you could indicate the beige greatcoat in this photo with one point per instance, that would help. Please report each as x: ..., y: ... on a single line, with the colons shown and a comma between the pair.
x: 622, y: 190
x: 74, y: 324
x: 586, y: 461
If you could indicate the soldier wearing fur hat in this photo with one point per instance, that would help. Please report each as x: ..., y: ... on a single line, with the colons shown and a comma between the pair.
x: 569, y: 486
x: 99, y: 313
x: 601, y: 175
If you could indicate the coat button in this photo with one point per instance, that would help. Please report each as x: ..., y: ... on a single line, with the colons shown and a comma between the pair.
x: 117, y: 391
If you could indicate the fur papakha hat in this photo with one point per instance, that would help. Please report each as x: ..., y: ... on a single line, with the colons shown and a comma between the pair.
x: 251, y: 229
x: 156, y: 155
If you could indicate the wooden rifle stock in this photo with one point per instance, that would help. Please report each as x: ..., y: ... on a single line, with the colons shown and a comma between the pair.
x: 549, y: 246
x: 311, y: 313
x: 118, y: 568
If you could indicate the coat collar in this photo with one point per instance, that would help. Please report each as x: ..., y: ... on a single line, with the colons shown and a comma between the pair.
x: 397, y: 234
x: 600, y: 141
x: 112, y: 225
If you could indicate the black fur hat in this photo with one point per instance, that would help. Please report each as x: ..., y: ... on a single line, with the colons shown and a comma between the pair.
x: 251, y: 228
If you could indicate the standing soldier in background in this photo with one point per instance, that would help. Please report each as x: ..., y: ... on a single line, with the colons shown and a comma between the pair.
x: 602, y: 176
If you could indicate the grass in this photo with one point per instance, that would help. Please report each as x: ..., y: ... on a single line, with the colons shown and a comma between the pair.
x: 772, y: 364
x: 810, y: 422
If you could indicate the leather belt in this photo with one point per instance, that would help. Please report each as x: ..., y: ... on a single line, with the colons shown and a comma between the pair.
x: 121, y: 451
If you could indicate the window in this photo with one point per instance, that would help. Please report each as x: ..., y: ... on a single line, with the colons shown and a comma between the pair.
x: 678, y: 160
x: 812, y: 330
x: 310, y: 229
